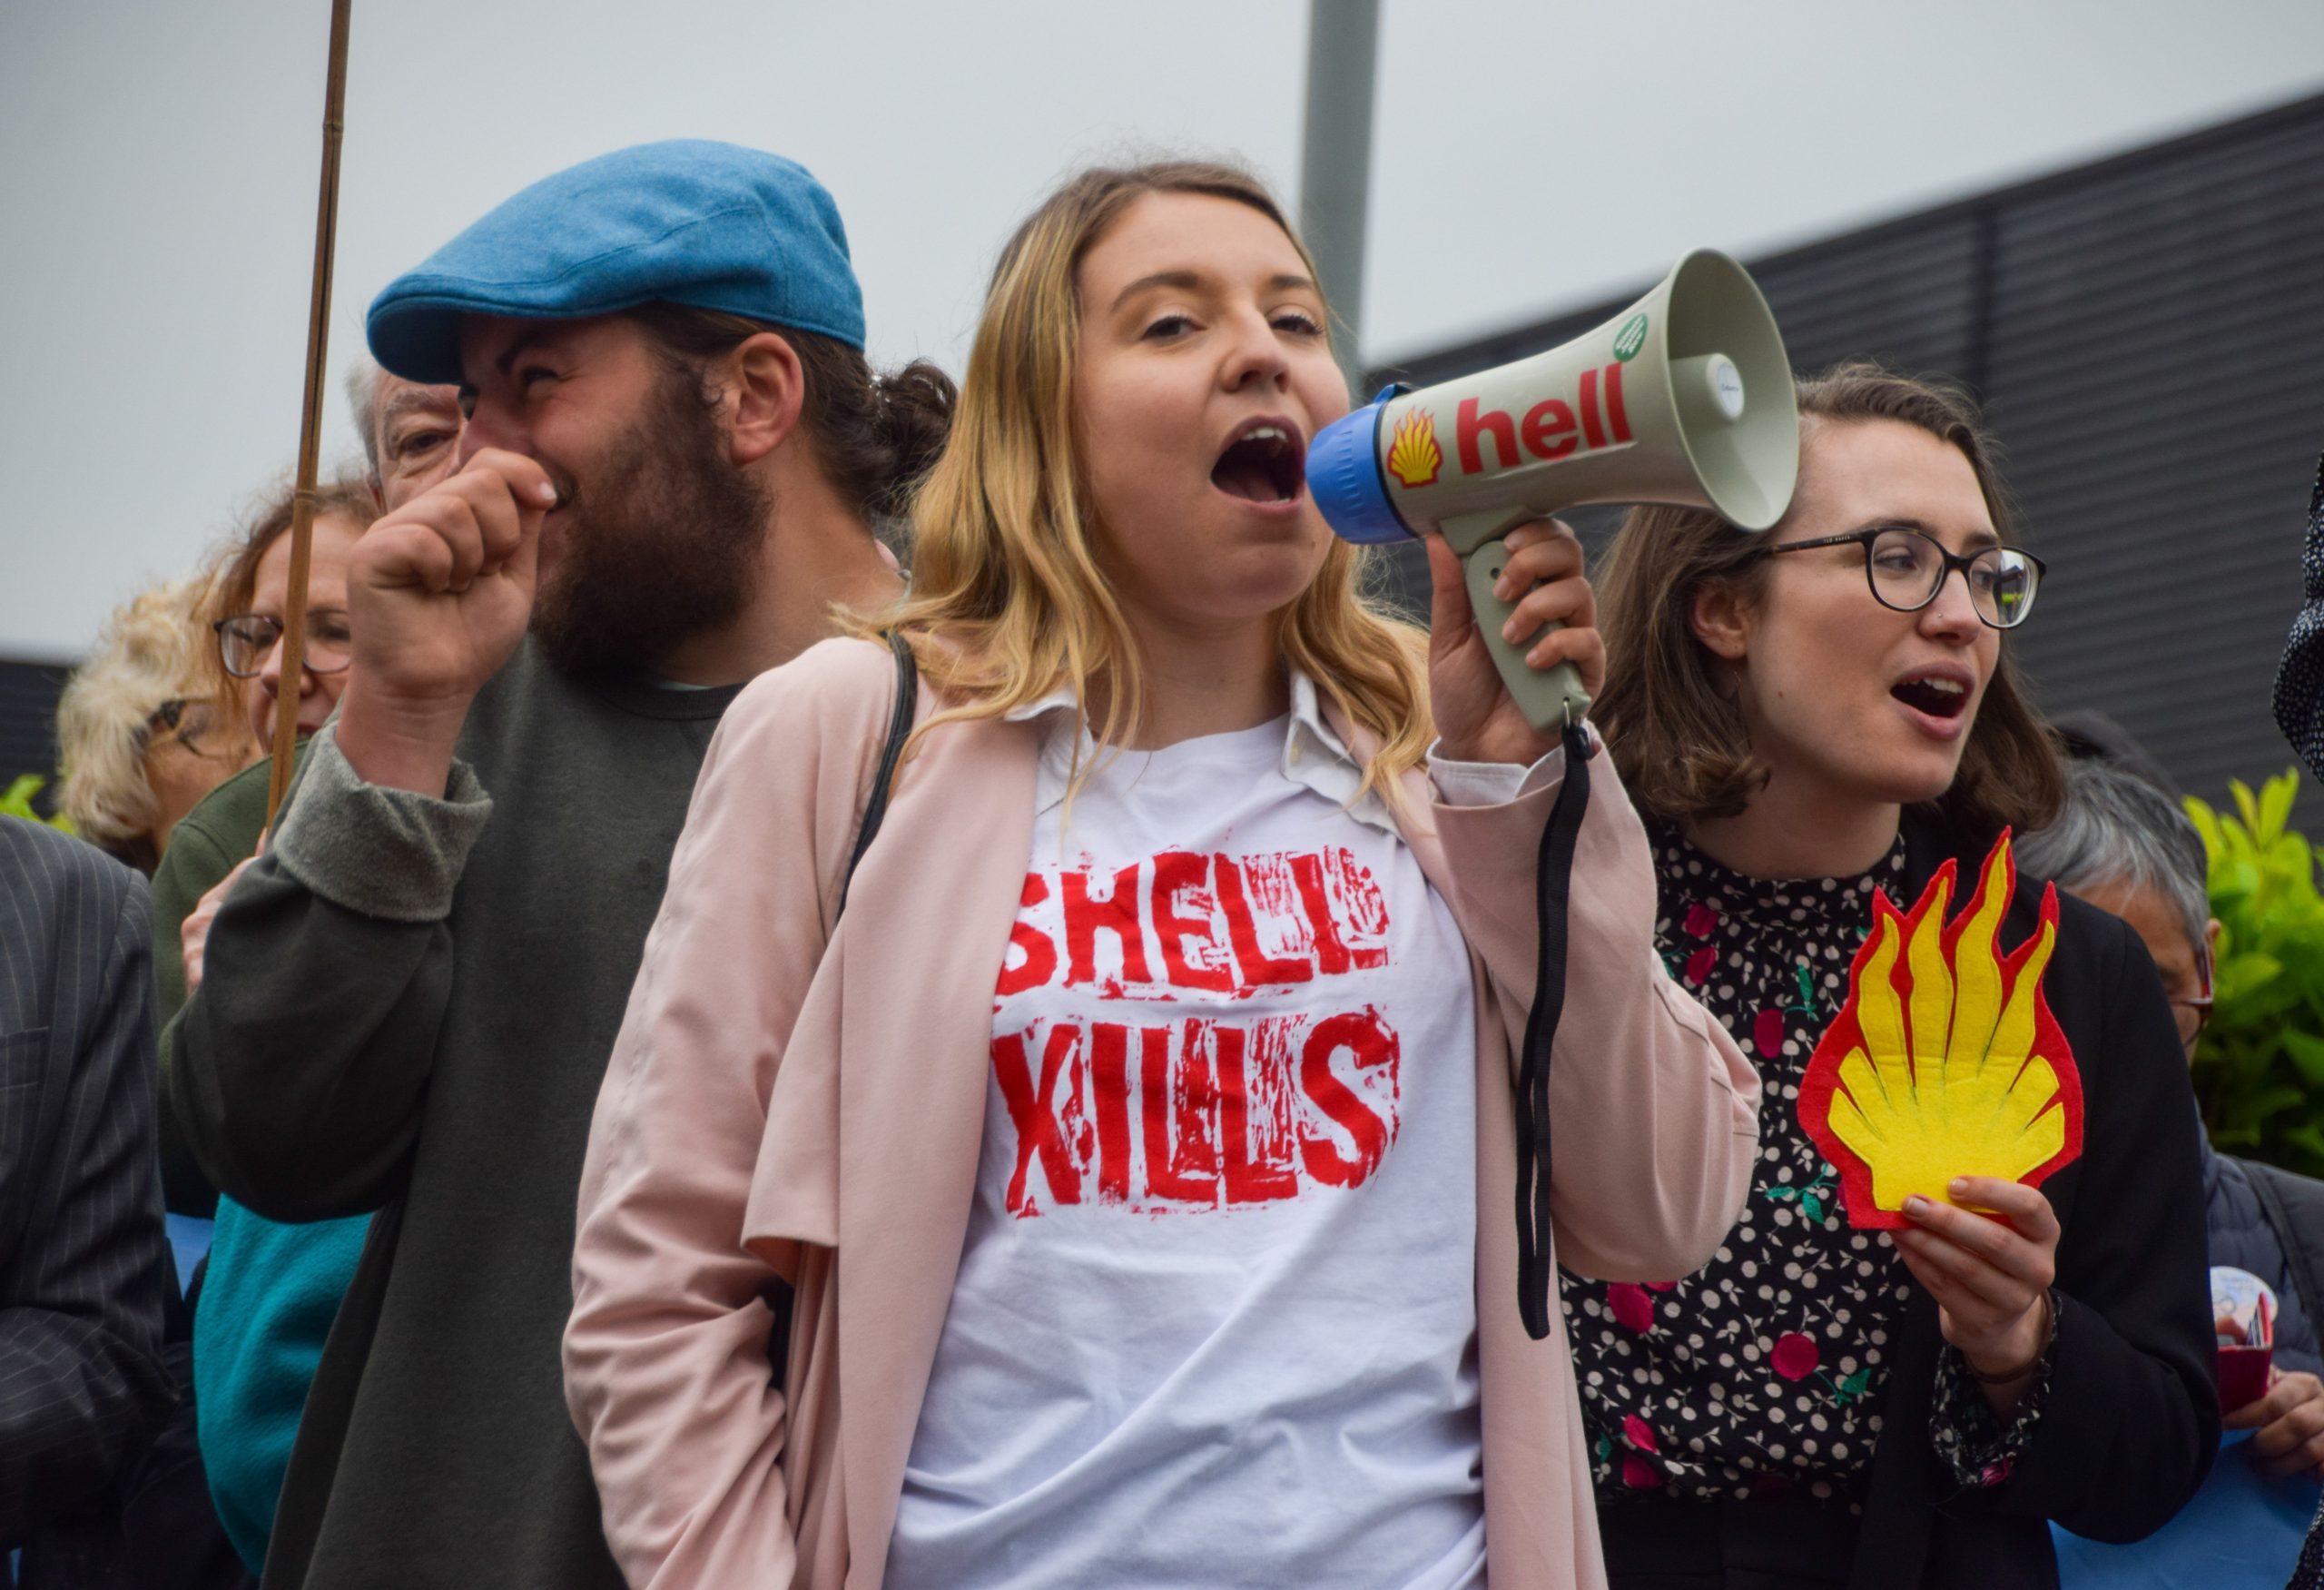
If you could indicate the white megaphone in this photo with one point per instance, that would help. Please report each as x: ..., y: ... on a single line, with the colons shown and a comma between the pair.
x: 1685, y: 397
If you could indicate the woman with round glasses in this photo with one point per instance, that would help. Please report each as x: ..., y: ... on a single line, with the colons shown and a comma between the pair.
x: 253, y: 593
x: 1808, y: 718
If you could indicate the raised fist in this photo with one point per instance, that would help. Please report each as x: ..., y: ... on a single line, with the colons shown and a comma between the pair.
x: 439, y: 594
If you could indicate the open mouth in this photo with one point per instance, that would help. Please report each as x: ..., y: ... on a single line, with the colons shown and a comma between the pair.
x: 1937, y: 695
x: 1263, y: 462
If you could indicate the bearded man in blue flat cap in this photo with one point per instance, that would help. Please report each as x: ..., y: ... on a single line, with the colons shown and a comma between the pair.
x: 674, y: 456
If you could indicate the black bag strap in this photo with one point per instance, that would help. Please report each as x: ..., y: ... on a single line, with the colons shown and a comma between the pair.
x: 1552, y: 890
x: 778, y: 1294
x: 899, y: 724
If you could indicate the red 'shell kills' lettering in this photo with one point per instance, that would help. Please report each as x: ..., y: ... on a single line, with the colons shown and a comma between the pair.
x: 1215, y: 923
x: 1197, y: 1114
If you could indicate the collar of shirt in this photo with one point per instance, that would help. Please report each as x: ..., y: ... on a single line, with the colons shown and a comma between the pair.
x: 1314, y: 755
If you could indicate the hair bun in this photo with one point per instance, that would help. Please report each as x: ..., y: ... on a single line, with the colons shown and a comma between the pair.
x: 916, y: 406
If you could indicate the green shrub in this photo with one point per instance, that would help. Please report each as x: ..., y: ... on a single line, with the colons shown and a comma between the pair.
x: 2260, y: 1069
x: 16, y: 801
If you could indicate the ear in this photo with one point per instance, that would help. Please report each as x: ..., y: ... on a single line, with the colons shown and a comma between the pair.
x: 2212, y: 930
x: 767, y: 393
x: 1717, y: 615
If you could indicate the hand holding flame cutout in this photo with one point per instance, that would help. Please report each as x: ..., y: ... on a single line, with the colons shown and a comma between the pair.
x: 1946, y: 1062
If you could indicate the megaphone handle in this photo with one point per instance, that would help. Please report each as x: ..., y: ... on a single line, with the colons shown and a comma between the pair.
x: 1549, y: 699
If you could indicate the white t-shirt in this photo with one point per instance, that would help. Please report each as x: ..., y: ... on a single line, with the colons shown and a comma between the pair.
x: 1215, y: 1317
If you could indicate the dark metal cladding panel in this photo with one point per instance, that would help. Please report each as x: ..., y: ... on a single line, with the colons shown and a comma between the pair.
x: 1906, y: 296
x: 28, y: 693
x: 2157, y: 377
x: 2148, y: 336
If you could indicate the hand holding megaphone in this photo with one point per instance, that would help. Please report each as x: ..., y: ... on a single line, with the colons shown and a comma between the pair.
x: 1685, y: 397
x: 1554, y: 624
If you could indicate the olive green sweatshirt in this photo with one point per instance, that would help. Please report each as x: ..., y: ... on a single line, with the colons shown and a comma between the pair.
x: 209, y: 841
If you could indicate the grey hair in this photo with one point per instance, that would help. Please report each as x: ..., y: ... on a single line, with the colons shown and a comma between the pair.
x: 363, y: 397
x: 2116, y: 828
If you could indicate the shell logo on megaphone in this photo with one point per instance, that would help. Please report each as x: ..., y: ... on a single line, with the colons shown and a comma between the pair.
x: 1684, y: 397
x: 1413, y: 457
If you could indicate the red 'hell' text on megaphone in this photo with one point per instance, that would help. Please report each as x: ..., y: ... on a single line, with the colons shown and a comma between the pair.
x: 1684, y: 397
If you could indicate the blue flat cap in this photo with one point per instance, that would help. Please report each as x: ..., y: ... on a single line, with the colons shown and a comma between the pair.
x: 714, y: 225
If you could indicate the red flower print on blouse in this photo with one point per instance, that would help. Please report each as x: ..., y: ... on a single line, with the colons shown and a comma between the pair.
x: 1635, y: 1431
x: 1767, y: 1032
x: 1631, y: 1307
x: 1700, y: 920
x: 1630, y: 1304
x: 1699, y: 964
x: 1795, y: 1356
x: 1639, y: 1474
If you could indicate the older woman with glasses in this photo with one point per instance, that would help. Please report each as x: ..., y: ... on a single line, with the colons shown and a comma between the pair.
x: 139, y: 735
x: 1806, y: 719
x: 2126, y: 847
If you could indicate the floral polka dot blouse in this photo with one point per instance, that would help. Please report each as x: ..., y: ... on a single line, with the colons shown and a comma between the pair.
x: 1765, y: 1370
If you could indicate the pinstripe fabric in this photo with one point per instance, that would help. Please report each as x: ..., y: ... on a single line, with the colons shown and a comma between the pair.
x: 83, y: 1250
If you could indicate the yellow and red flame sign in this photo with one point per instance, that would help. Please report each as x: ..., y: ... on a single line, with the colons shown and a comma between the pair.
x: 1945, y: 1059
x: 1413, y: 457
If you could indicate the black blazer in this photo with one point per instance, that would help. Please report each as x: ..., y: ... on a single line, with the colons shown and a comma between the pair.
x: 2132, y: 1419
x: 85, y: 1264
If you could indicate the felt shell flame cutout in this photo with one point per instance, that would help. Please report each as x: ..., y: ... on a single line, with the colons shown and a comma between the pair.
x: 1945, y: 1059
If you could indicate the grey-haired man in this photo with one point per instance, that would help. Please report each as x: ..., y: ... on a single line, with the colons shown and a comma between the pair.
x: 410, y: 432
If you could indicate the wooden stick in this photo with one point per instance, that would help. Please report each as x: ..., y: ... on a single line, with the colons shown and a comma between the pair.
x: 310, y: 424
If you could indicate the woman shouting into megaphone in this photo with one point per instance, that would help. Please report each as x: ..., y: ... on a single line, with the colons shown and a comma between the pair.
x: 1102, y: 1175
x: 1967, y: 1297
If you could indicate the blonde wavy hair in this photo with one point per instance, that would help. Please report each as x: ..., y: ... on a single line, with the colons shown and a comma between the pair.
x: 1008, y: 601
x: 153, y: 647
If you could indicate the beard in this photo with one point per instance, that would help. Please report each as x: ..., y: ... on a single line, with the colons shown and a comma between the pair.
x: 662, y: 545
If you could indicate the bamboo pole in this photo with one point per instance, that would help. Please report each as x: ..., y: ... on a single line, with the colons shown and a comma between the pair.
x: 302, y: 501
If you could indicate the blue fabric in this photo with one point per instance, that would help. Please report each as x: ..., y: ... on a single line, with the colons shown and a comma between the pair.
x: 712, y: 226
x: 189, y: 1240
x: 2240, y: 1236
x: 267, y: 1304
x: 2242, y: 1531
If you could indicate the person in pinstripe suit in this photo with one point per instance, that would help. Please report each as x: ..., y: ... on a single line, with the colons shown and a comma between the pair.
x: 83, y: 1258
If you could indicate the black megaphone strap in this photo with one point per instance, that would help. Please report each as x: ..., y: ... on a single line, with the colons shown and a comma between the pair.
x: 1553, y: 887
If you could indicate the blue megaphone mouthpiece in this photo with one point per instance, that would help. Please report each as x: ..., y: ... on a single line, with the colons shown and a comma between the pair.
x: 1343, y: 472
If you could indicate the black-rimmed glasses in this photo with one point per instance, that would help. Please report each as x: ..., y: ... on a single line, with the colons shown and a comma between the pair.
x: 187, y: 721
x: 1906, y: 568
x: 245, y: 640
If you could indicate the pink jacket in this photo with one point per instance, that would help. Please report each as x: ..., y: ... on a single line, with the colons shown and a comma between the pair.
x: 788, y: 1101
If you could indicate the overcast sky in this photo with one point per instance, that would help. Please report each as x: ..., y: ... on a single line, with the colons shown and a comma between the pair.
x: 157, y: 167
